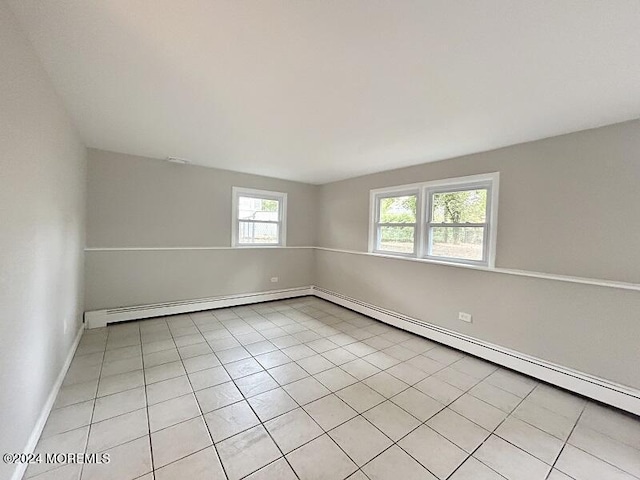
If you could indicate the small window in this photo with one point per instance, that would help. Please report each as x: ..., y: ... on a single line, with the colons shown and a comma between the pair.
x: 458, y: 224
x: 259, y: 218
x: 396, y: 223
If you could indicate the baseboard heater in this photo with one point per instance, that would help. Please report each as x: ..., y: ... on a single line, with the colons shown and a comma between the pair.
x: 100, y: 318
x: 620, y: 396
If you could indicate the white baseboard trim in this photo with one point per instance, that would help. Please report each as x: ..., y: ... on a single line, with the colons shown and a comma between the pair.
x: 619, y: 396
x: 100, y: 318
x: 18, y: 473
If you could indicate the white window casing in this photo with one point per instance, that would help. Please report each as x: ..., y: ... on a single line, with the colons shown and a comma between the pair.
x: 240, y: 225
x: 424, y: 226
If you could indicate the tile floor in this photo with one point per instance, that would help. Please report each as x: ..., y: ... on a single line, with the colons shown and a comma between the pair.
x: 306, y: 389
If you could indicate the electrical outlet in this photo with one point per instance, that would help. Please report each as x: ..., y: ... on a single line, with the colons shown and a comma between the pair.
x: 465, y: 317
x: 274, y: 279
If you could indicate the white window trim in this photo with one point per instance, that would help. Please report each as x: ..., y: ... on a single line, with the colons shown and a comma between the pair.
x: 237, y: 192
x: 424, y: 190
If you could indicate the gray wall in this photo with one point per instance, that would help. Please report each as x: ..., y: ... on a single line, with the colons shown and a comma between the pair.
x: 42, y: 184
x: 568, y: 205
x: 143, y: 202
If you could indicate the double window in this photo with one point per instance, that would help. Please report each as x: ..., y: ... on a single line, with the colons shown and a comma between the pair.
x: 451, y: 220
x: 259, y: 218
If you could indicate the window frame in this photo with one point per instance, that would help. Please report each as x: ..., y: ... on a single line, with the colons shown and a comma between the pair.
x: 376, y: 225
x: 425, y: 190
x: 281, y: 197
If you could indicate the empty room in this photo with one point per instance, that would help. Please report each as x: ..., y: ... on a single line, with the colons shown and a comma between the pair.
x: 320, y: 240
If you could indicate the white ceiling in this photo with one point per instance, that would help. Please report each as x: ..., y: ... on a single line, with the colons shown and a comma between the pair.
x: 320, y: 90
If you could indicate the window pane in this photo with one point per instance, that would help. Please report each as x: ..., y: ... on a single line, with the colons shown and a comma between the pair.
x: 397, y: 239
x: 457, y: 242
x: 468, y: 206
x: 250, y: 208
x: 252, y: 232
x: 398, y: 209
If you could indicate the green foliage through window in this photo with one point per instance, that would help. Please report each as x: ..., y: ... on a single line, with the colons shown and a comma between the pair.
x: 467, y: 206
x: 398, y: 209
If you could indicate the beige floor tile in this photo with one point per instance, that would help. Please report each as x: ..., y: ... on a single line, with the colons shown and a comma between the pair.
x: 495, y: 396
x: 247, y: 452
x: 121, y: 366
x: 230, y: 420
x: 530, y: 439
x: 360, y: 369
x: 279, y: 469
x: 457, y: 429
x: 201, y: 362
x: 360, y: 397
x: 306, y: 390
x: 479, y: 412
x: 258, y: 348
x: 287, y: 373
x: 472, y: 469
x: 616, y: 424
x: 219, y: 396
x: 438, y: 389
x: 298, y: 352
x: 163, y: 372
x: 335, y: 379
x: 67, y: 472
x: 255, y: 384
x: 68, y: 418
x: 339, y: 356
x: 242, y: 368
x: 553, y: 423
x: 315, y: 364
x: 160, y: 358
x: 557, y: 400
x: 208, y: 378
x: 178, y: 441
x: 407, y: 373
x: 168, y: 389
x: 392, y: 420
x: 512, y: 382
x: 271, y: 404
x: 381, y: 360
x: 433, y: 451
x: 385, y: 384
x: 118, y: 430
x: 426, y: 364
x: 321, y: 459
x: 293, y: 429
x: 202, y: 465
x: 76, y: 393
x: 475, y: 367
x: 127, y: 461
x: 417, y: 404
x: 73, y: 441
x: 171, y: 412
x: 395, y: 464
x: 120, y: 383
x: 330, y: 411
x: 606, y: 448
x: 456, y: 378
x: 273, y: 359
x: 360, y: 440
x: 511, y: 462
x: 119, y: 403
